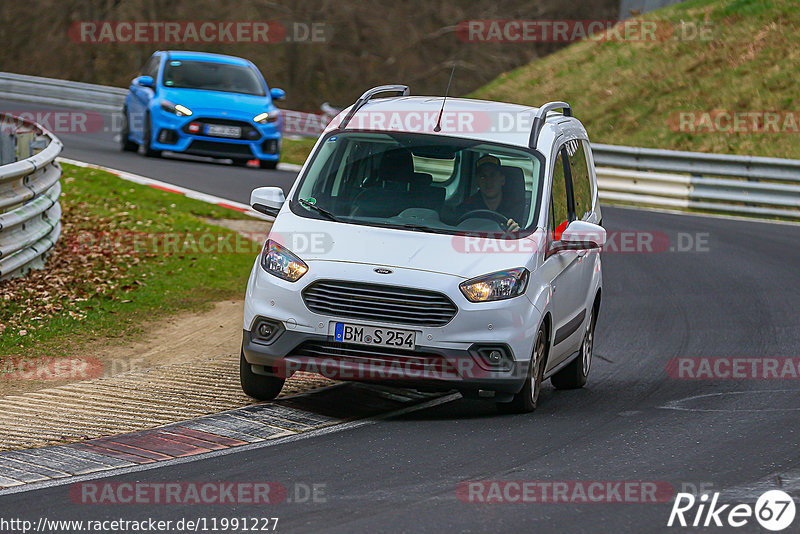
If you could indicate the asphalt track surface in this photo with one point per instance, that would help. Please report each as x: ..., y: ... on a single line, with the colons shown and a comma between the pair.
x: 737, y: 295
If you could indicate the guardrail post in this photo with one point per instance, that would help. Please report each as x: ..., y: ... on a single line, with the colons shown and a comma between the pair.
x: 8, y: 144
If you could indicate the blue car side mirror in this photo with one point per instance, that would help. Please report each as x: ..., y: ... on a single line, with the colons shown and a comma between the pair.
x: 145, y: 81
x: 277, y: 94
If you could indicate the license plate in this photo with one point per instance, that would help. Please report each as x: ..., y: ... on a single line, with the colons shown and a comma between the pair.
x: 370, y: 335
x: 223, y: 131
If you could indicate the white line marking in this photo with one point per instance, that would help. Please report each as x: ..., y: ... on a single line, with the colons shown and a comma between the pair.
x: 676, y: 404
x: 232, y: 450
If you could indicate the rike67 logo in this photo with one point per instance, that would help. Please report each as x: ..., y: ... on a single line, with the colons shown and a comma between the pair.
x: 774, y: 510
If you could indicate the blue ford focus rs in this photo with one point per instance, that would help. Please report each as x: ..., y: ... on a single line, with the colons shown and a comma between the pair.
x: 203, y: 104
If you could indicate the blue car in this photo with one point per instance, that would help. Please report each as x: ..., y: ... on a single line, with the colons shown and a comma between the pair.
x: 203, y: 104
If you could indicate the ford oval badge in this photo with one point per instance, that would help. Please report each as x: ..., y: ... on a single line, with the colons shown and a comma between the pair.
x: 381, y: 270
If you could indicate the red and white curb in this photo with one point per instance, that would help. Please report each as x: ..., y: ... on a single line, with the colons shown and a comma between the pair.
x: 330, y: 409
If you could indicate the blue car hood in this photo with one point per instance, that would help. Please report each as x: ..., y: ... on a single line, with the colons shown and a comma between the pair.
x: 198, y: 99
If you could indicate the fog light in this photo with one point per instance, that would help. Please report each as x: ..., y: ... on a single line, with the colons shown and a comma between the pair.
x: 493, y: 357
x: 265, y: 330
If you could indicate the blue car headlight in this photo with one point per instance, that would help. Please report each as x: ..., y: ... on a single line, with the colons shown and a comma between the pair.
x: 264, y: 118
x: 176, y: 109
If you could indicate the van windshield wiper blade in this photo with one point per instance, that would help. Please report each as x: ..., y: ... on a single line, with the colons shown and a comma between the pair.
x: 423, y: 228
x: 319, y: 210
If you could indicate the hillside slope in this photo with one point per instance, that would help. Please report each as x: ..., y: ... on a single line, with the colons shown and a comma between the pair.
x: 633, y: 92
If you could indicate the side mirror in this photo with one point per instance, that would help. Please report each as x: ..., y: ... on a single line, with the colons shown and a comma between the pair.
x: 277, y: 94
x: 581, y: 235
x: 267, y: 200
x: 144, y: 81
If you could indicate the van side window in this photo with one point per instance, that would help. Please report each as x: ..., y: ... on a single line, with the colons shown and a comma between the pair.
x: 559, y: 212
x: 581, y: 181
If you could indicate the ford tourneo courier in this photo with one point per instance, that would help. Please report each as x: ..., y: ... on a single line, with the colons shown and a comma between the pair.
x: 436, y: 244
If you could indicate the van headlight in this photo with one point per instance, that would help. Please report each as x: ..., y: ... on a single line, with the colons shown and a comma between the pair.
x: 279, y: 261
x: 496, y: 286
x: 177, y: 109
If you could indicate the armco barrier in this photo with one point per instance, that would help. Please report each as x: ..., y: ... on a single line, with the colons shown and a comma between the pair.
x: 743, y: 185
x: 61, y: 92
x: 29, y: 210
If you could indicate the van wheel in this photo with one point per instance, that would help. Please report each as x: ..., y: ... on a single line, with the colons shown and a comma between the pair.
x: 124, y: 136
x: 574, y: 375
x: 527, y: 399
x: 258, y: 386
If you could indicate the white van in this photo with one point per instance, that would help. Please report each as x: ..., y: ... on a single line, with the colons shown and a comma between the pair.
x: 434, y: 244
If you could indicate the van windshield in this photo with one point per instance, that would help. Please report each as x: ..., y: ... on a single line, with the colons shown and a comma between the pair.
x: 421, y: 182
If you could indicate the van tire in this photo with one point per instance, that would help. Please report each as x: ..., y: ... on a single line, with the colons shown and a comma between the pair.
x: 259, y: 387
x: 528, y: 398
x: 575, y: 374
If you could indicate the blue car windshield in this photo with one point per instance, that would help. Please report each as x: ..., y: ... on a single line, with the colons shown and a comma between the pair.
x: 212, y: 76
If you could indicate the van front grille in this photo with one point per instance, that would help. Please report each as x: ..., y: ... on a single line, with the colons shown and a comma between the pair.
x: 378, y: 302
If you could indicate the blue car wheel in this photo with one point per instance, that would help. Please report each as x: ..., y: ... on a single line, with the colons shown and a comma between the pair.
x: 148, y: 138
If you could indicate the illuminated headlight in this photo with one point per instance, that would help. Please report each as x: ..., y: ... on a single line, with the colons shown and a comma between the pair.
x: 264, y: 118
x: 278, y: 261
x: 496, y: 286
x: 177, y: 109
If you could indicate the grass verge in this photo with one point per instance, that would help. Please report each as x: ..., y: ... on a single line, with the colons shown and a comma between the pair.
x: 296, y: 150
x: 128, y: 255
x: 737, y: 55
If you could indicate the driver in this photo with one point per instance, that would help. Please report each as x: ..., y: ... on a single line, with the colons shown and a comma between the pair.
x: 490, y: 193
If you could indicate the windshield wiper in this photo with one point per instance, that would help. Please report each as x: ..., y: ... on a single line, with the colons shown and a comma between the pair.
x: 422, y: 228
x: 319, y: 210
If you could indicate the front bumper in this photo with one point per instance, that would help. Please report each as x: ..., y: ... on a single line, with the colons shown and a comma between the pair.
x: 426, y: 368
x: 170, y: 133
x: 450, y: 350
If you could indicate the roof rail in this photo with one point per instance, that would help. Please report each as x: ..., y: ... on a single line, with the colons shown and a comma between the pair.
x: 401, y: 90
x: 541, y: 115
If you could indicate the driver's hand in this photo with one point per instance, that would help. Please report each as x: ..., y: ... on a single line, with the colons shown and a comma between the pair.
x: 511, y: 225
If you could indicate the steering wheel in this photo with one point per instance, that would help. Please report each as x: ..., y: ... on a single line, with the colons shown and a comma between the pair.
x: 485, y: 214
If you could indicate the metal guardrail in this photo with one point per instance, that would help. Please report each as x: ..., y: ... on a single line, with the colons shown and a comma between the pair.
x: 29, y: 210
x: 744, y: 185
x: 67, y: 93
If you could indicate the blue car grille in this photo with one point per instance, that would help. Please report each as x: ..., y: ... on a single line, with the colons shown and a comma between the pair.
x: 249, y: 133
